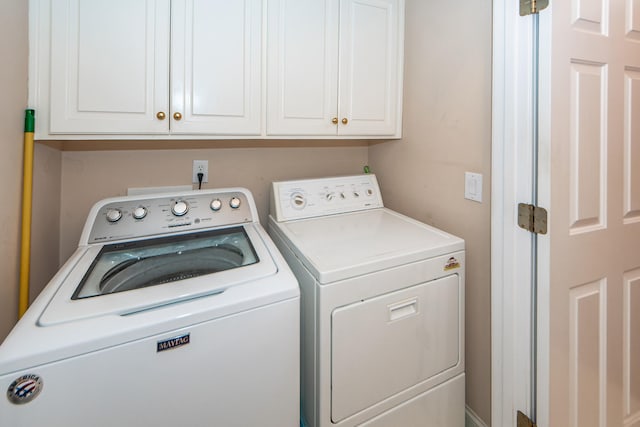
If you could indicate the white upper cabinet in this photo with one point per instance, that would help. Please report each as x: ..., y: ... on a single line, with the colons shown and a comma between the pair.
x: 334, y: 67
x: 371, y: 64
x: 216, y: 69
x: 149, y: 67
x: 302, y: 67
x: 109, y: 66
x: 216, y: 50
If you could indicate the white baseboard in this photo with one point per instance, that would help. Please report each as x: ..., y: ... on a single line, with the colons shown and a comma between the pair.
x: 472, y: 419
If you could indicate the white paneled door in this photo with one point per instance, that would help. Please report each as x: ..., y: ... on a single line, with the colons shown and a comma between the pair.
x: 588, y: 265
x: 590, y: 175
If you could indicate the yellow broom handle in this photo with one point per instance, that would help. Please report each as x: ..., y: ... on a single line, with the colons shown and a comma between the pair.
x: 27, y: 192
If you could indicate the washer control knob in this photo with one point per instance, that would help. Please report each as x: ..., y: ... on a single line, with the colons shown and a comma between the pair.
x: 369, y: 192
x: 114, y: 215
x: 329, y: 196
x: 356, y: 194
x: 180, y: 208
x: 234, y: 203
x: 139, y: 212
x: 215, y: 205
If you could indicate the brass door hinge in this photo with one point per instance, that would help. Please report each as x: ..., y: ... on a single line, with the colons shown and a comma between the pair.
x: 532, y: 218
x: 524, y: 421
x: 529, y: 7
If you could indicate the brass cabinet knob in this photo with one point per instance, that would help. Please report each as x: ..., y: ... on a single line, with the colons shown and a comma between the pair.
x: 161, y: 115
x: 177, y: 116
x: 345, y: 121
x: 334, y: 120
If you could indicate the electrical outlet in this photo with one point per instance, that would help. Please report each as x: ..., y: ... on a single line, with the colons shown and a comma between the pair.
x: 200, y: 166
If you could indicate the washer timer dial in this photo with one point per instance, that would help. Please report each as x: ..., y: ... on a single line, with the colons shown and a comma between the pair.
x: 180, y: 208
x: 215, y: 205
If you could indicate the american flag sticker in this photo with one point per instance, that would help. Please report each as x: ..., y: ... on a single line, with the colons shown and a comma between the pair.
x: 24, y: 389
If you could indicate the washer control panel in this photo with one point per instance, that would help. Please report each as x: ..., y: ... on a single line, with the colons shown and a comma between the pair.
x: 131, y: 217
x: 325, y: 196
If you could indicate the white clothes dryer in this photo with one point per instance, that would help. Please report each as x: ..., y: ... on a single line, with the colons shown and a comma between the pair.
x: 175, y: 310
x: 382, y: 311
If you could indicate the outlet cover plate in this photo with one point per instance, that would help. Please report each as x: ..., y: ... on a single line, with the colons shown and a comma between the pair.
x: 473, y: 186
x: 200, y: 166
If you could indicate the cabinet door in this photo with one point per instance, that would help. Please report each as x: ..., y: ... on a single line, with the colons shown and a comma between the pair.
x: 302, y: 67
x: 109, y: 66
x: 370, y: 89
x: 216, y: 67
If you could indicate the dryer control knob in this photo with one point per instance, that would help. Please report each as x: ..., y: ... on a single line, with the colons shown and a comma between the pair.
x: 139, y: 212
x: 298, y: 201
x: 114, y: 215
x: 234, y: 203
x: 216, y: 205
x: 180, y: 208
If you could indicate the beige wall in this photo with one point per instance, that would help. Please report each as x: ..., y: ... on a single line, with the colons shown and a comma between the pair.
x: 88, y: 176
x: 45, y: 228
x: 13, y: 101
x: 447, y: 131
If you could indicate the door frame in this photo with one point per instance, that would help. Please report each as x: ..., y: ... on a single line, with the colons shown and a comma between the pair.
x: 511, y: 247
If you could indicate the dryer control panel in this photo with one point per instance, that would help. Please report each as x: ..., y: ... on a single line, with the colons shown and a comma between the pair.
x: 310, y: 198
x: 132, y: 217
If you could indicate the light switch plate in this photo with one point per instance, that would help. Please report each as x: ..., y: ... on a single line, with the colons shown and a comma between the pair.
x: 473, y: 186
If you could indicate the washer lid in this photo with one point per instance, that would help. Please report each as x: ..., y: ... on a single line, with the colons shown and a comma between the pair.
x: 129, y: 277
x: 338, y: 247
x: 139, y: 264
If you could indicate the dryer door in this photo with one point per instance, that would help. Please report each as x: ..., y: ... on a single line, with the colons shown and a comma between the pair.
x: 387, y: 344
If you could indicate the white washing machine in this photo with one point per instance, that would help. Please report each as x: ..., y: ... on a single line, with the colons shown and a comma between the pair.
x: 175, y: 310
x: 382, y: 314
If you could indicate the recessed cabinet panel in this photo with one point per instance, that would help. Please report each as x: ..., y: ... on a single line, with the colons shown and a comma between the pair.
x: 302, y: 67
x: 109, y: 69
x: 368, y: 67
x: 95, y: 54
x: 216, y: 66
